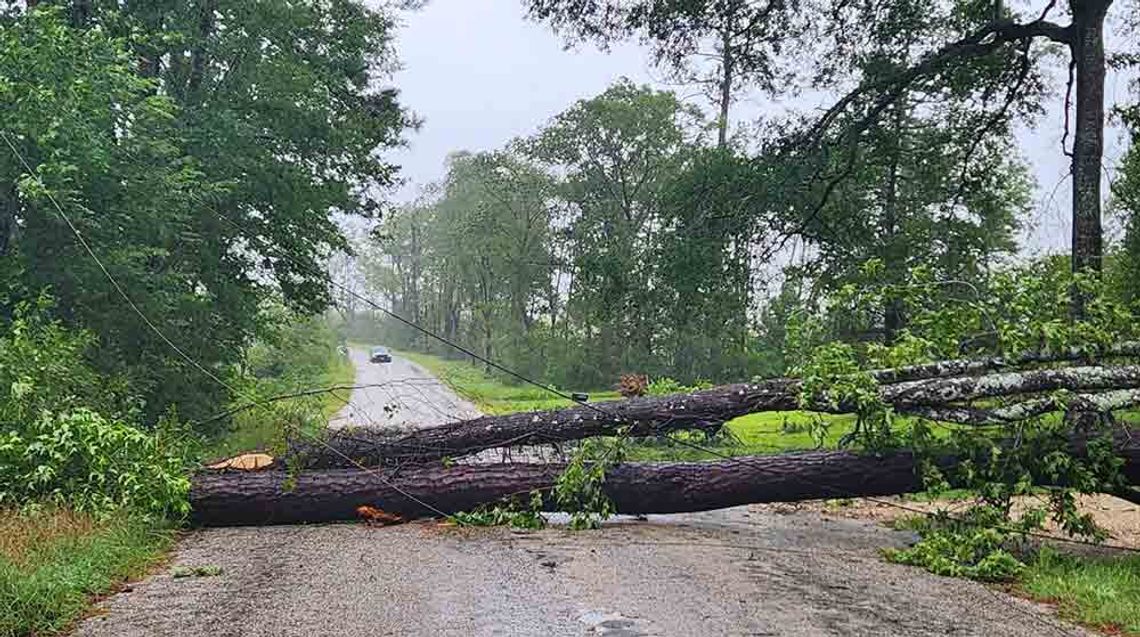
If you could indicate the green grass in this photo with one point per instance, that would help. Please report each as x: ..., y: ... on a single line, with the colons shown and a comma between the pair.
x: 53, y: 563
x: 261, y: 429
x: 491, y: 395
x: 1099, y: 592
x: 751, y: 435
x: 771, y: 432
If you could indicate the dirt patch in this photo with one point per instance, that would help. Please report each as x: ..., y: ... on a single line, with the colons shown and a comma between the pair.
x: 1119, y: 517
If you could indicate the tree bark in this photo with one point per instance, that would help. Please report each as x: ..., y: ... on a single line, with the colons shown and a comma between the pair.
x: 706, y: 410
x: 9, y: 206
x: 644, y: 417
x: 81, y: 13
x: 273, y: 497
x: 726, y: 80
x: 977, y: 366
x: 1087, y: 48
x: 200, y: 53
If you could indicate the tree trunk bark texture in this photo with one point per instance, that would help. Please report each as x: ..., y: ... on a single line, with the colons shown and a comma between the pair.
x: 274, y: 497
x: 702, y: 410
x: 1088, y: 143
x: 645, y: 417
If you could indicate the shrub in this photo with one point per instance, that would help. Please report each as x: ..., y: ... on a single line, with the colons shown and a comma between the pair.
x: 664, y: 386
x: 92, y: 464
x: 66, y: 432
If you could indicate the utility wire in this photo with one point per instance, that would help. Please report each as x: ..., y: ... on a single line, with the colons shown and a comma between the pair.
x: 186, y: 357
x: 415, y: 326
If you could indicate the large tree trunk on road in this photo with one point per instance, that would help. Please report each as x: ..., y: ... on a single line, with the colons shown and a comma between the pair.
x: 321, y: 496
x: 272, y: 497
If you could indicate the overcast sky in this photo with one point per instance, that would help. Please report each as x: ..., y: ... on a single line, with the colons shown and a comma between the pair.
x: 480, y: 74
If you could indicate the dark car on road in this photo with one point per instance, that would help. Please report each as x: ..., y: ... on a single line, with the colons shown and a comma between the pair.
x: 380, y: 355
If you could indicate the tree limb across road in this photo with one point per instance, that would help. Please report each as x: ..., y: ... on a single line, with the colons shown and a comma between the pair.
x: 274, y: 497
x: 952, y: 399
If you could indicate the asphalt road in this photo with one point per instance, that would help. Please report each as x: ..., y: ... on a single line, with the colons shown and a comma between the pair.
x: 399, y: 394
x: 740, y: 571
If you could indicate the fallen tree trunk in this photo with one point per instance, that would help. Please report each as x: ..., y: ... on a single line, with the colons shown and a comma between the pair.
x: 273, y: 497
x: 978, y: 366
x: 651, y: 416
x: 944, y: 398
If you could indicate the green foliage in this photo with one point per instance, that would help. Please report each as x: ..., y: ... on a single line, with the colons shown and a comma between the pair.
x: 296, y: 353
x: 973, y: 548
x: 579, y: 490
x: 1024, y: 309
x: 608, y: 243
x: 189, y: 177
x: 52, y: 563
x: 1099, y: 591
x: 515, y: 512
x: 1016, y: 309
x: 45, y: 366
x: 664, y: 386
x: 56, y: 448
x: 833, y: 378
x: 83, y: 460
x: 1126, y: 190
x: 490, y: 393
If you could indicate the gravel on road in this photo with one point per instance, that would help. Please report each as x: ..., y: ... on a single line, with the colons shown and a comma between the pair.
x: 732, y: 572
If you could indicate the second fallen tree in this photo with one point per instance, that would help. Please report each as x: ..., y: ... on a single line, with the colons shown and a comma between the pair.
x: 936, y: 396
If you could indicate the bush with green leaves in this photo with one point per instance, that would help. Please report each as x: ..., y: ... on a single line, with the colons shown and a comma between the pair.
x: 516, y: 512
x: 93, y: 464
x: 975, y: 548
x: 66, y: 433
x: 1015, y: 310
x: 663, y: 386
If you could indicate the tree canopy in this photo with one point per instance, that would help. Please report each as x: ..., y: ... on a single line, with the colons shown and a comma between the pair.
x: 192, y: 144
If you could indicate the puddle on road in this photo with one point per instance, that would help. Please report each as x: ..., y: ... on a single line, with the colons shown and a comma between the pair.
x: 611, y: 624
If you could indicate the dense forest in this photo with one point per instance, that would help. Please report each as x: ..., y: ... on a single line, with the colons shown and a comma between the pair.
x: 199, y: 149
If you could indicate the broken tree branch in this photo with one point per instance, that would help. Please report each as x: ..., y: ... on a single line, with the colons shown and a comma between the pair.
x: 969, y: 367
x: 947, y: 398
x: 1098, y: 403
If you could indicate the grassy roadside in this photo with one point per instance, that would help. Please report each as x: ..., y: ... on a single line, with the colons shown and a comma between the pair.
x: 491, y: 395
x: 1101, y: 592
x: 257, y: 429
x: 54, y: 562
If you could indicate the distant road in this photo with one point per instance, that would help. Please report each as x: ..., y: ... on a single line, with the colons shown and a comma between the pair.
x: 399, y: 394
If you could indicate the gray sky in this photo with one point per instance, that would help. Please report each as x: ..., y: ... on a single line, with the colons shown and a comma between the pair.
x: 479, y: 74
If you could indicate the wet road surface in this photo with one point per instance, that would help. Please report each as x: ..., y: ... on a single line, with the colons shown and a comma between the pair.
x: 741, y: 571
x: 398, y: 394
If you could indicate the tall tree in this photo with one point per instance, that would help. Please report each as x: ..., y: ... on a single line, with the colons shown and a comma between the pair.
x: 723, y: 46
x: 991, y: 34
x: 617, y: 150
x: 197, y: 142
x: 969, y: 34
x: 918, y: 188
x: 705, y: 267
x: 1127, y: 192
